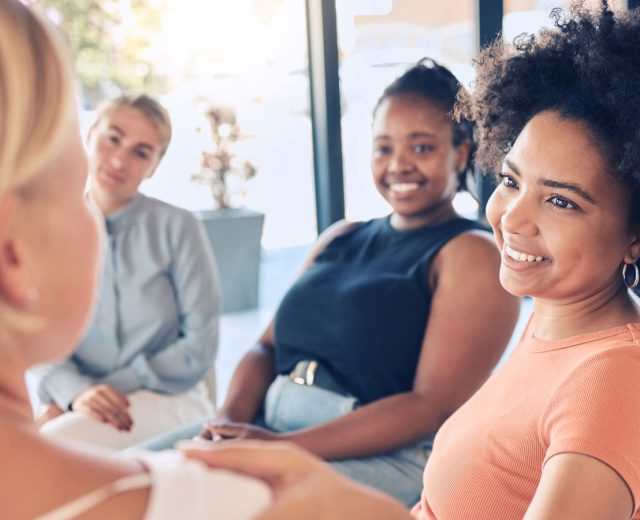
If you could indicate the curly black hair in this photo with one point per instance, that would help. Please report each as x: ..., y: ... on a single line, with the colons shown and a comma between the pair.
x: 587, y: 67
x: 435, y: 83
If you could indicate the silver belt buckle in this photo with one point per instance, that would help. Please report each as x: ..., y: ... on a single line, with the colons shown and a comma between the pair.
x: 309, y: 375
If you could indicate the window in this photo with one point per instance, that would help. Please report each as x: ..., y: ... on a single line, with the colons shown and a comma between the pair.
x: 378, y: 41
x: 528, y: 16
x: 250, y: 55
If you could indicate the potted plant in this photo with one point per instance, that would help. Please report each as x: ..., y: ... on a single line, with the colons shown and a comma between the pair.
x: 234, y: 232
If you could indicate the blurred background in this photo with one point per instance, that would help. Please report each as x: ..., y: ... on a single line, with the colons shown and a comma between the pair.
x: 252, y: 55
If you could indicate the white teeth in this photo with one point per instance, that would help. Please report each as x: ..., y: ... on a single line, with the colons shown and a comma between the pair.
x: 402, y: 187
x: 522, y: 257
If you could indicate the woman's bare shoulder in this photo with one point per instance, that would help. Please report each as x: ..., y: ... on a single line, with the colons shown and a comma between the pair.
x: 327, y: 236
x: 477, y: 246
x: 39, y: 475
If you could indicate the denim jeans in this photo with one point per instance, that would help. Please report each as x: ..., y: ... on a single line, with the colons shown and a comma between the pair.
x: 289, y: 407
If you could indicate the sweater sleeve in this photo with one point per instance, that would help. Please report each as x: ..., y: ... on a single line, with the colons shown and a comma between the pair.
x: 60, y: 382
x: 183, y: 363
x: 595, y: 411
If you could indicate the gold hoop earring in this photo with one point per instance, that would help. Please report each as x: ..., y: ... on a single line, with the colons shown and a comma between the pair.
x: 631, y: 278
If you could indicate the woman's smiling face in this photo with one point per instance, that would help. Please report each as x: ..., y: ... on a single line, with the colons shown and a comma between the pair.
x: 415, y: 163
x: 560, y: 218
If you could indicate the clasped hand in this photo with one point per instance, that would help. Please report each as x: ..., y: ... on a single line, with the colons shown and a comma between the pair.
x: 223, y: 430
x: 105, y: 404
x: 303, y: 485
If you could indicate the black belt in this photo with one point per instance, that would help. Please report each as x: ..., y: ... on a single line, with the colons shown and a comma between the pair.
x: 311, y: 373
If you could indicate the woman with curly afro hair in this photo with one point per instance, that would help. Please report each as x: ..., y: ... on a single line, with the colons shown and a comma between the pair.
x: 555, y: 433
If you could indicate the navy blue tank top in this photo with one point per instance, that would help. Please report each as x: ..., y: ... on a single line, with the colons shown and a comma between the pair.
x: 361, y: 309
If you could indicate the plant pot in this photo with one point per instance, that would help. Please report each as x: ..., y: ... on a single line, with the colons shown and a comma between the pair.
x: 235, y: 239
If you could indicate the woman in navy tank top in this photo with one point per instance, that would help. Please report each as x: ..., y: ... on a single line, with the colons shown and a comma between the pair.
x: 391, y: 325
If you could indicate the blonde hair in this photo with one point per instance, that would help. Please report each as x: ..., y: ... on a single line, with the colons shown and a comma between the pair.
x: 147, y: 106
x: 36, y: 104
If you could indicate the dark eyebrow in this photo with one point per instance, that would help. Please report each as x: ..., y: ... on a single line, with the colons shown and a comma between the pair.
x: 119, y: 130
x: 417, y: 135
x: 413, y: 135
x: 575, y: 188
x: 568, y: 186
x: 512, y: 167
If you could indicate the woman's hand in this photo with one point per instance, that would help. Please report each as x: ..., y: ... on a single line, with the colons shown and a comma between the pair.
x: 47, y: 412
x: 105, y: 404
x: 225, y: 430
x: 303, y: 486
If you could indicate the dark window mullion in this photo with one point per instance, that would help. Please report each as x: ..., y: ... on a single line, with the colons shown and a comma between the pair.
x: 325, y: 111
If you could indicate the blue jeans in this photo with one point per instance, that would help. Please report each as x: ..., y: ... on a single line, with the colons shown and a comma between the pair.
x: 289, y: 407
x: 398, y: 473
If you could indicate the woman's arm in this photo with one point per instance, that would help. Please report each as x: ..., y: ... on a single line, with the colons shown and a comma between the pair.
x: 183, y: 363
x: 470, y: 323
x: 255, y: 372
x: 250, y: 381
x: 62, y: 387
x: 579, y: 487
x: 60, y: 382
x: 593, y: 440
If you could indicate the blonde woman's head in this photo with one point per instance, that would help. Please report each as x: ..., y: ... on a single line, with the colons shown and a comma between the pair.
x: 147, y: 106
x: 36, y: 93
x: 49, y: 239
x: 126, y: 143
